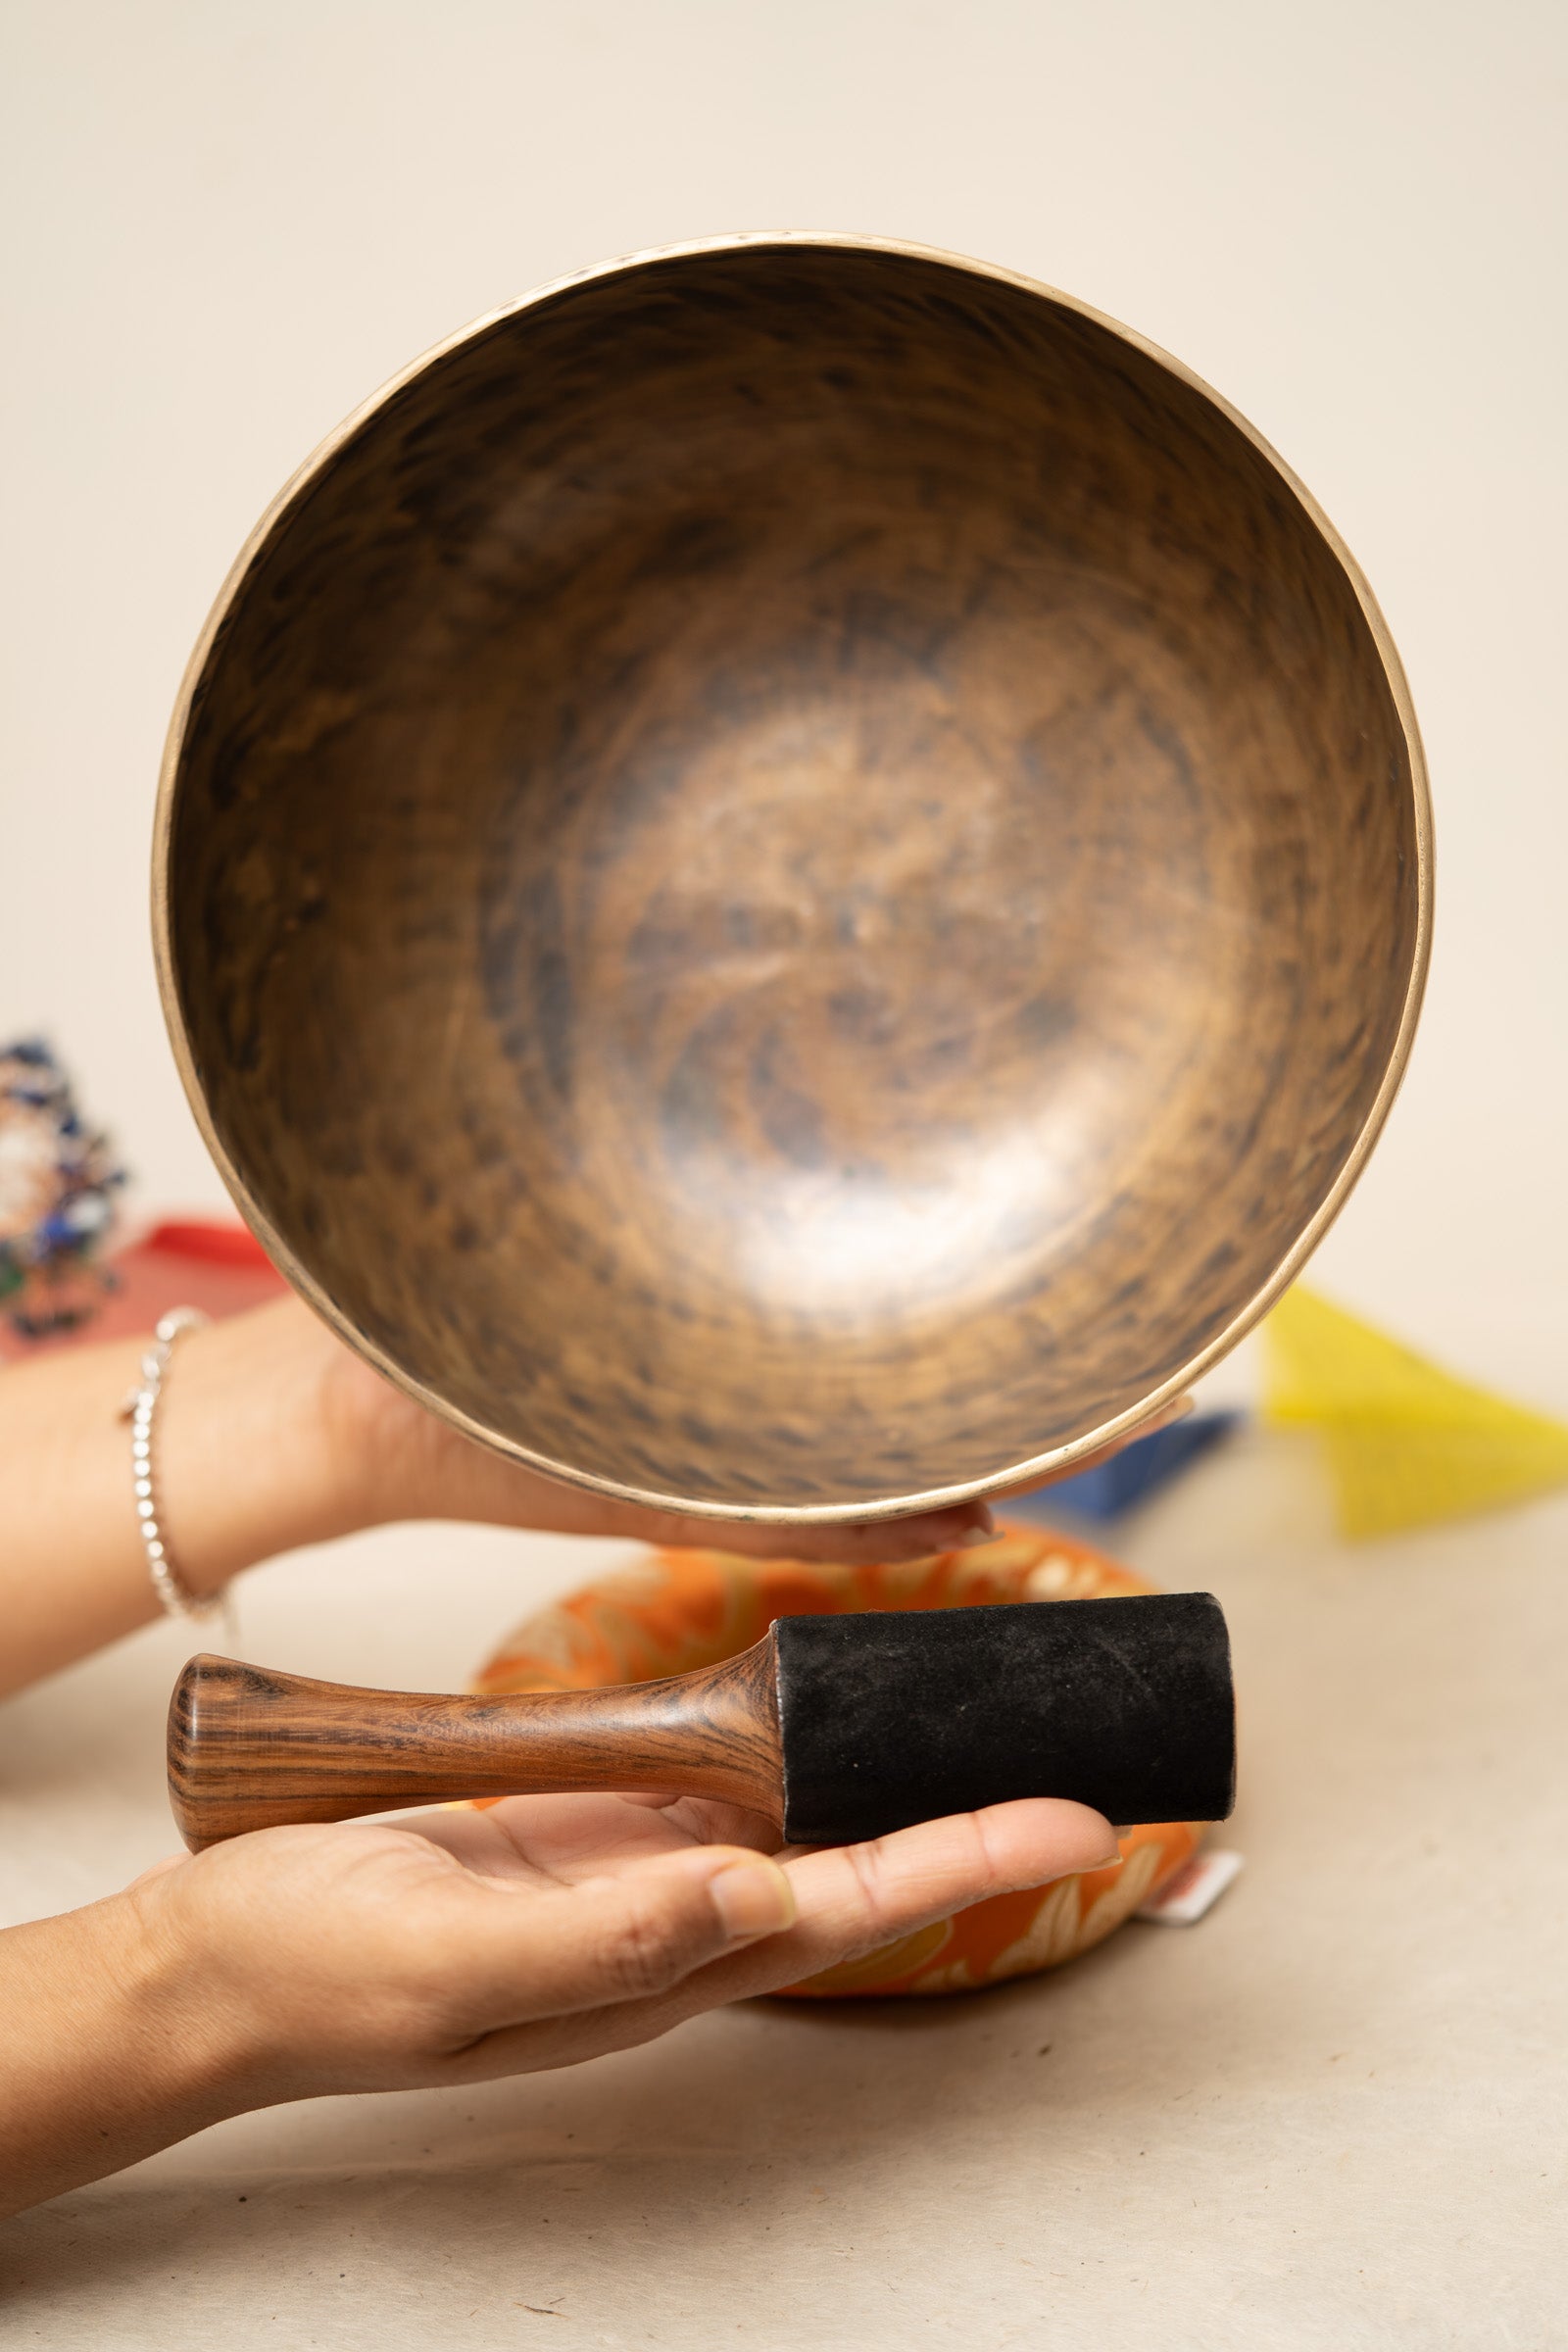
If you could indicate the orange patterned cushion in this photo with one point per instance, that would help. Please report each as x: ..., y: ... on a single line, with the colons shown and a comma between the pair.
x: 684, y: 1609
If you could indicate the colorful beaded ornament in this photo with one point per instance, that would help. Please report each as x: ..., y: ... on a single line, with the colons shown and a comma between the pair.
x: 57, y: 1184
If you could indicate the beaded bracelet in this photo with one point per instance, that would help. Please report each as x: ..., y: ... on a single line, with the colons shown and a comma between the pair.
x: 140, y: 1408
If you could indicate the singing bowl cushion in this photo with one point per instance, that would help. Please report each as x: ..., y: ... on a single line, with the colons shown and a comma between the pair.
x: 685, y: 1609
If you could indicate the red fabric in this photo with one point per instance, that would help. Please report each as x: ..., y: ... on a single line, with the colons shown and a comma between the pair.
x: 219, y: 1245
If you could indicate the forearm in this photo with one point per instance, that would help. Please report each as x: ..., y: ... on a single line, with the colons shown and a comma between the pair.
x: 106, y: 2052
x: 246, y: 1460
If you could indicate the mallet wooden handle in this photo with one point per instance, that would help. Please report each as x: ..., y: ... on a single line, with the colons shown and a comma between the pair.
x: 249, y: 1749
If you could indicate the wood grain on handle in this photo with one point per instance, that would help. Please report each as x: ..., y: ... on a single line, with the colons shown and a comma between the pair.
x: 250, y: 1748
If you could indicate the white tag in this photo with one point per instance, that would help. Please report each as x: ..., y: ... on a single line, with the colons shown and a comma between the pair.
x: 1193, y: 1889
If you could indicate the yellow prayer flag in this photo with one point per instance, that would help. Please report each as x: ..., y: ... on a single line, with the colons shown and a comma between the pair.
x: 1408, y: 1444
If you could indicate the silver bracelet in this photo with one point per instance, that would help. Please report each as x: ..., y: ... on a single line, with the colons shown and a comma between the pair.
x: 140, y: 1408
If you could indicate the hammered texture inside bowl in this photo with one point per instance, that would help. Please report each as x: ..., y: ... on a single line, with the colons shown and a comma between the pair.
x: 791, y: 876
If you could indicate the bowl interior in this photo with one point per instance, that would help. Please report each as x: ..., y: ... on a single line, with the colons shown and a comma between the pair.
x: 792, y: 876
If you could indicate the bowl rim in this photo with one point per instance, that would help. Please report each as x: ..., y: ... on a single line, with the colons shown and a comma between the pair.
x: 1032, y: 1469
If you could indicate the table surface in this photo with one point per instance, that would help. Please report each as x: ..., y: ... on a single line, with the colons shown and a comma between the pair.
x: 1330, y: 2114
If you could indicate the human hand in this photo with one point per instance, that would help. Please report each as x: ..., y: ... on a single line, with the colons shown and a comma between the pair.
x: 450, y: 1948
x: 414, y: 1465
x: 272, y: 1435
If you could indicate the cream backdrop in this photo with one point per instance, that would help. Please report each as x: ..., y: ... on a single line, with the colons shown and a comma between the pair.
x: 226, y: 221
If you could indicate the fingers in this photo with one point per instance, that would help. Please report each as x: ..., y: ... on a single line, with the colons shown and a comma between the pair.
x: 569, y: 1839
x: 457, y: 1480
x: 708, y: 1820
x: 850, y: 1900
x: 609, y: 1940
x: 842, y: 1545
x: 851, y: 1545
x: 414, y: 1466
x: 563, y: 1838
x: 853, y: 1898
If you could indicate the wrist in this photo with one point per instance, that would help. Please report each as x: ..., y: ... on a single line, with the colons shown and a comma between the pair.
x: 250, y: 1459
x: 108, y: 2050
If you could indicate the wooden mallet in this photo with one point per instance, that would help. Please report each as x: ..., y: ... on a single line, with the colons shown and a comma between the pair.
x: 837, y: 1728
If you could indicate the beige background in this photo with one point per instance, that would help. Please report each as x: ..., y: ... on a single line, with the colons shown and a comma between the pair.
x: 1332, y: 2115
x: 226, y: 220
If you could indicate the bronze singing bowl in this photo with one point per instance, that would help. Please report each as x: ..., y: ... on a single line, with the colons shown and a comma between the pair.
x: 793, y: 878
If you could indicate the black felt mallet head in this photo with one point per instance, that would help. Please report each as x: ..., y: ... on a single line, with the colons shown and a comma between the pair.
x: 838, y: 1727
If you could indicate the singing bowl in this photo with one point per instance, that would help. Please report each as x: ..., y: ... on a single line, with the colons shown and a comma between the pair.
x: 793, y: 878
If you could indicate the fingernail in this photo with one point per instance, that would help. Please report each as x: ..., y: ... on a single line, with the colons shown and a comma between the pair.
x: 753, y: 1898
x: 984, y: 1530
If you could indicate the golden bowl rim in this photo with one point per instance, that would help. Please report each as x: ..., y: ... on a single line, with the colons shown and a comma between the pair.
x: 1013, y: 1476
